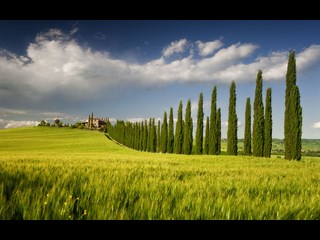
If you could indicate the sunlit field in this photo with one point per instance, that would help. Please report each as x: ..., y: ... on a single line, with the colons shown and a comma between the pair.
x: 59, y: 173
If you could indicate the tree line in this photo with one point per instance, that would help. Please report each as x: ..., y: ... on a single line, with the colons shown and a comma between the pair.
x: 149, y: 137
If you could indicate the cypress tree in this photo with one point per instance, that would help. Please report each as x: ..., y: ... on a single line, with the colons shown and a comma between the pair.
x: 232, y: 148
x: 258, y: 120
x: 218, y: 131
x: 183, y: 139
x: 149, y: 145
x: 145, y: 136
x: 158, y: 137
x: 154, y: 137
x: 296, y: 123
x: 170, y: 133
x: 293, y: 113
x: 199, y: 131
x: 148, y: 136
x: 146, y: 142
x: 206, y: 139
x: 268, y: 125
x: 213, y: 120
x: 164, y: 134
x: 178, y: 139
x: 247, y: 130
x: 188, y: 128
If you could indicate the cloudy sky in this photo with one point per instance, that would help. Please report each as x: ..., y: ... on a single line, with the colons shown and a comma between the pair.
x: 138, y: 69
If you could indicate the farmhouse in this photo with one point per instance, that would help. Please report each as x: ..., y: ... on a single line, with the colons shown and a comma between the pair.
x: 95, y: 122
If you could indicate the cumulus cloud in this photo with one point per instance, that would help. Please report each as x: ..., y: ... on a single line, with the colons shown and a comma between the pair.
x: 58, y: 69
x: 175, y: 47
x: 206, y: 48
x: 316, y: 125
x: 15, y: 124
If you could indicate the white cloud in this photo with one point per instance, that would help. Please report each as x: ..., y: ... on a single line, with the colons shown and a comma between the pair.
x: 12, y: 111
x: 206, y: 48
x: 316, y: 125
x: 175, y: 47
x: 57, y: 69
x: 136, y: 120
x: 15, y: 124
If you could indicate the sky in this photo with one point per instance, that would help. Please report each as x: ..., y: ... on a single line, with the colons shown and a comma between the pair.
x: 134, y: 70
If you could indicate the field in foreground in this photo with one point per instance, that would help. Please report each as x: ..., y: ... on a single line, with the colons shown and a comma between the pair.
x: 51, y: 173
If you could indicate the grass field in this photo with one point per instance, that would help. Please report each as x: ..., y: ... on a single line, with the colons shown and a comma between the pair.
x: 58, y: 173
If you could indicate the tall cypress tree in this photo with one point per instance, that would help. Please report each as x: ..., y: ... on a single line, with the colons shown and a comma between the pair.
x: 188, y: 128
x: 91, y: 125
x: 170, y: 133
x: 213, y: 120
x: 268, y: 125
x: 296, y: 113
x: 154, y: 137
x: 145, y: 136
x: 199, y: 130
x: 178, y: 139
x: 206, y: 139
x: 258, y: 120
x: 218, y: 131
x: 247, y: 130
x: 149, y: 136
x: 164, y: 134
x: 232, y: 148
x: 183, y: 139
x: 293, y: 113
x: 158, y: 137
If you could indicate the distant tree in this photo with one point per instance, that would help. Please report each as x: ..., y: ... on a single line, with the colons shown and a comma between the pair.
x: 42, y: 123
x: 164, y: 134
x: 56, y: 121
x: 258, y: 120
x: 206, y: 139
x: 293, y: 113
x: 213, y: 120
x: 170, y: 133
x: 91, y: 125
x: 188, y: 128
x: 268, y: 126
x: 247, y: 130
x: 154, y: 136
x: 47, y: 124
x: 199, y: 130
x: 178, y: 139
x: 218, y: 134
x: 232, y: 148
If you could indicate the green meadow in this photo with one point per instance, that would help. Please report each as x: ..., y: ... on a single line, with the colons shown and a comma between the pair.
x: 60, y: 173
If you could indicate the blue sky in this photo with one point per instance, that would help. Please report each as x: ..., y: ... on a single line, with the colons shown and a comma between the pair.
x: 138, y: 69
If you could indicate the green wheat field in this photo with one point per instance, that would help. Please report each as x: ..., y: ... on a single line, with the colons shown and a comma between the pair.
x: 59, y: 173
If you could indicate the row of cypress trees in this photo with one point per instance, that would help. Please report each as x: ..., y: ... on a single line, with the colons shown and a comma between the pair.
x: 262, y: 123
x: 148, y: 137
